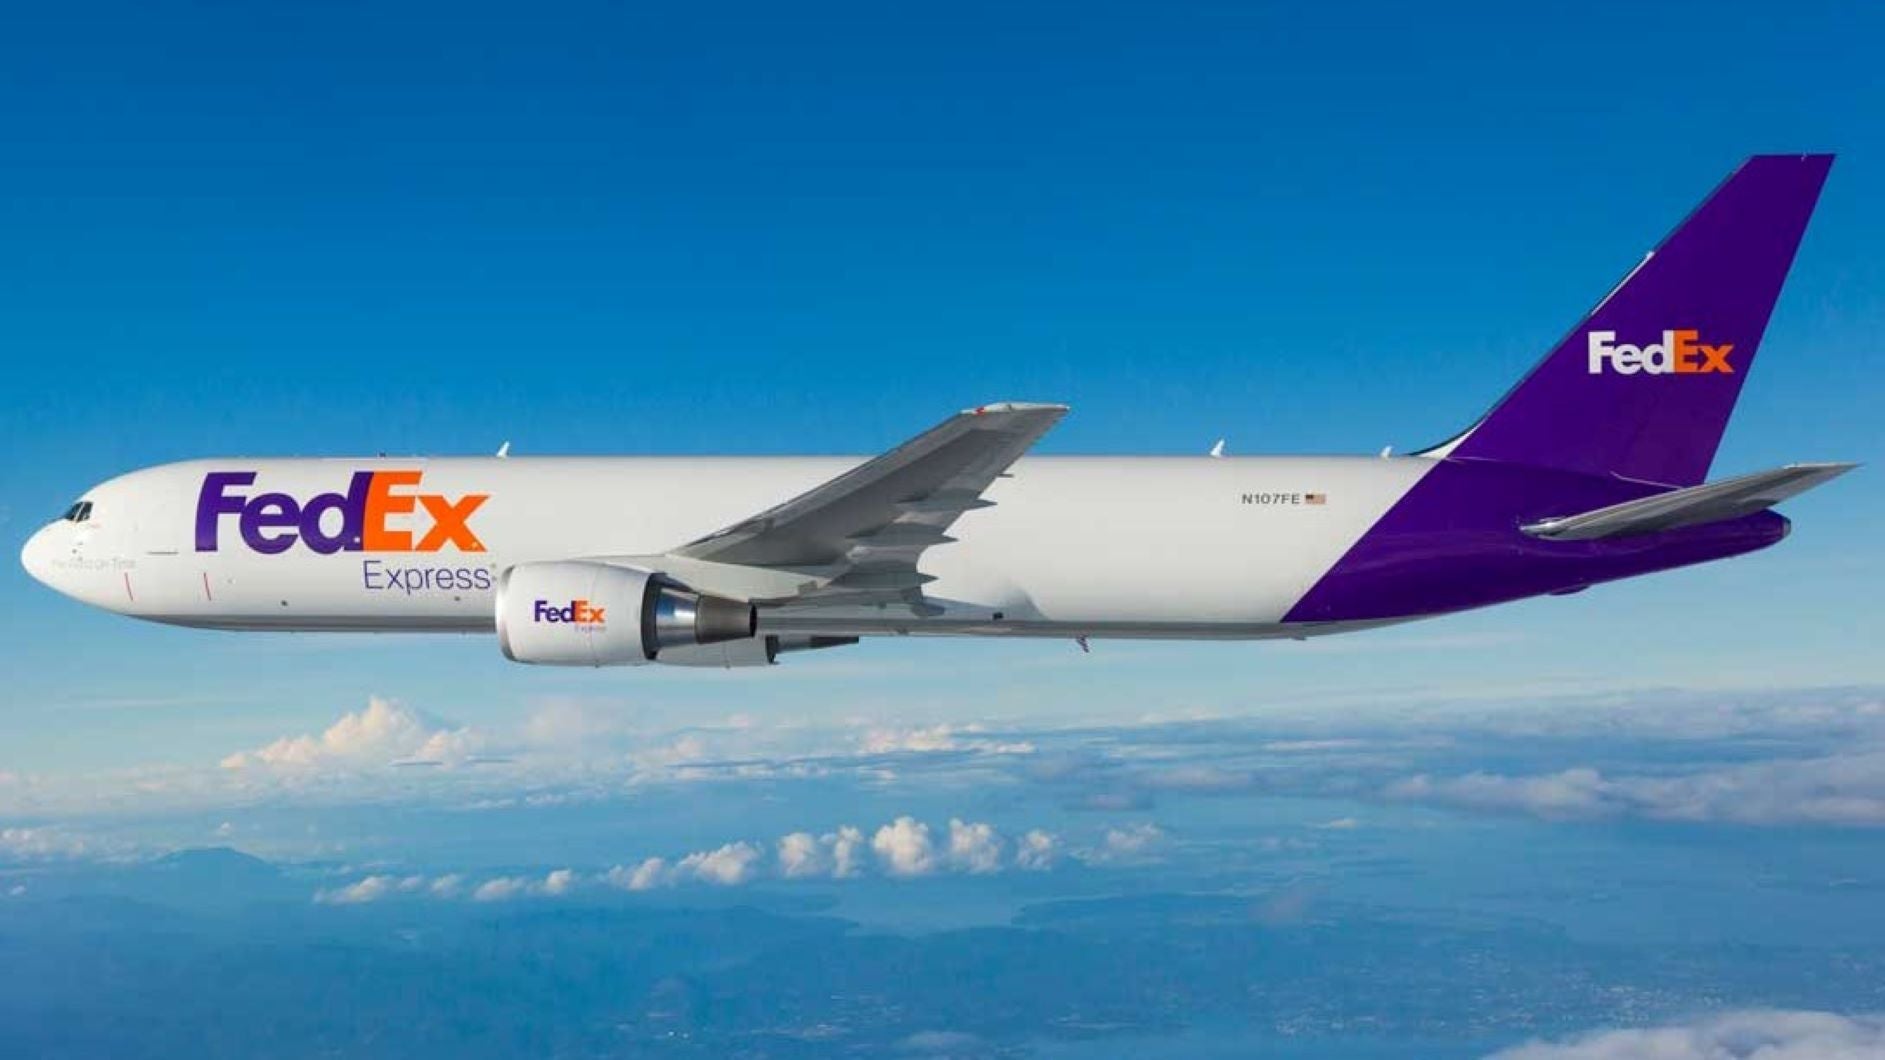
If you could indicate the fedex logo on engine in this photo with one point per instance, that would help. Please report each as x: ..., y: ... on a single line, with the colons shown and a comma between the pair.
x: 576, y: 612
x: 1677, y: 354
x: 379, y: 512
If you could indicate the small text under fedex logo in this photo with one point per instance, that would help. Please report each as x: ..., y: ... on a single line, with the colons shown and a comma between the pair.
x: 378, y: 513
x: 576, y: 613
x: 1677, y: 354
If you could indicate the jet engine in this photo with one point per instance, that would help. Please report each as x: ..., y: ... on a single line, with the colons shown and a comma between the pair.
x: 578, y: 613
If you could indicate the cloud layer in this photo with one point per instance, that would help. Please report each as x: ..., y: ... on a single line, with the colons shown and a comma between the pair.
x: 1802, y: 758
x: 1754, y: 1034
x: 904, y: 848
x: 1844, y: 789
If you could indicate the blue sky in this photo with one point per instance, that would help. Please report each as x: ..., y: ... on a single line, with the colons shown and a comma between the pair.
x: 752, y: 229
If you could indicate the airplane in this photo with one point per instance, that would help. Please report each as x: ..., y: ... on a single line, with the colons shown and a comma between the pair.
x: 1592, y: 469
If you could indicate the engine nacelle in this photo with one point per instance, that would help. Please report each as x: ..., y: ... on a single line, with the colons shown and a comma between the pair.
x: 578, y: 613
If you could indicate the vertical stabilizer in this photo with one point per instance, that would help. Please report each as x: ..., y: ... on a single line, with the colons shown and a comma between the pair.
x: 1643, y: 387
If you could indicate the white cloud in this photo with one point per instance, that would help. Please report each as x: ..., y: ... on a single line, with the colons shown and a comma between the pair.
x: 847, y: 851
x: 646, y: 876
x: 906, y: 847
x: 903, y: 847
x: 973, y: 847
x: 800, y: 855
x: 503, y: 888
x: 1036, y: 851
x: 1840, y: 789
x: 727, y: 866
x: 43, y: 844
x: 383, y: 733
x: 1754, y: 1034
x: 46, y: 844
x: 1134, y: 839
x: 18, y: 890
x: 1132, y: 844
x: 1572, y: 793
x: 932, y: 739
x: 891, y: 741
x: 371, y: 889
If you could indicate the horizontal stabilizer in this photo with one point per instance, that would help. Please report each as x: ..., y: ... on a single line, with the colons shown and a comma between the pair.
x: 1709, y: 503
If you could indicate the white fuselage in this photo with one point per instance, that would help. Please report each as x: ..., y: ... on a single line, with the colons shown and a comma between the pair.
x: 1120, y: 546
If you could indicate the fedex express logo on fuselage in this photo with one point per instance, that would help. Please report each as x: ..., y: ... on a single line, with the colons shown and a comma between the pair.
x: 381, y: 511
x: 1679, y: 353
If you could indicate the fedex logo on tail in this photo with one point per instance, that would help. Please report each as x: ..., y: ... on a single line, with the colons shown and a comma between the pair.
x: 1677, y: 354
x: 576, y: 612
x: 379, y: 512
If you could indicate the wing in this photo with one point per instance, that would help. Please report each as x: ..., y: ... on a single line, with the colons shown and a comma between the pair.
x: 860, y: 534
x: 1727, y: 499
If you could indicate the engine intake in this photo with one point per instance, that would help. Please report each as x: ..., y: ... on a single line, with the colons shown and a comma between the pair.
x: 579, y: 613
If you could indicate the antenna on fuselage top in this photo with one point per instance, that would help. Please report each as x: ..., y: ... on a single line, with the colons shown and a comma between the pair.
x: 1387, y: 451
x: 1218, y: 449
x: 504, y: 451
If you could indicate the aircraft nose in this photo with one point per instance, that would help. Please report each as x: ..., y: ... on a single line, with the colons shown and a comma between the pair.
x: 36, y: 556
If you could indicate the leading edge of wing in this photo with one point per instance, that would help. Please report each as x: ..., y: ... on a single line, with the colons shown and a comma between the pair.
x: 873, y: 520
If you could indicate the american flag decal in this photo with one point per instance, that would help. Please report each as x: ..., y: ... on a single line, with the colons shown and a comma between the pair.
x: 1315, y: 498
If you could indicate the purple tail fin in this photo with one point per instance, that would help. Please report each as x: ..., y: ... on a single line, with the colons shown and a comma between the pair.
x: 1642, y: 388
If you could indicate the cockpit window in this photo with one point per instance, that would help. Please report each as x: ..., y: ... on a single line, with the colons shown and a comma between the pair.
x: 79, y: 512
